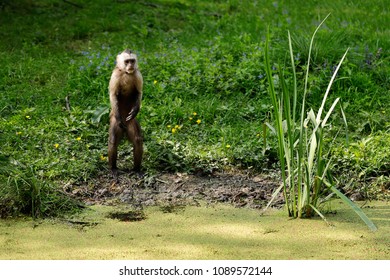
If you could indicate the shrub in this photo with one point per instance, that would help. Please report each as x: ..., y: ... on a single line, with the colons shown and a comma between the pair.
x: 24, y: 192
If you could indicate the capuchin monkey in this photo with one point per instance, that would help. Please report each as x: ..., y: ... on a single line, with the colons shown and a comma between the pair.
x: 125, y: 98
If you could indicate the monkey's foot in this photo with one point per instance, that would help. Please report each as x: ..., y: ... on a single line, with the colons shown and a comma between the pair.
x: 138, y: 173
x: 115, y: 176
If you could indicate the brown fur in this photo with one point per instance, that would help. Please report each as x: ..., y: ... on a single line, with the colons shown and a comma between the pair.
x: 125, y: 97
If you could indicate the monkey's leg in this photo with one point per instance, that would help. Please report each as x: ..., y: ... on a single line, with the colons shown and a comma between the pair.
x: 134, y: 134
x: 114, y: 138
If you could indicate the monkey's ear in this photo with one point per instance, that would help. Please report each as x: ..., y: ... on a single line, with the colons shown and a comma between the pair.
x: 117, y: 59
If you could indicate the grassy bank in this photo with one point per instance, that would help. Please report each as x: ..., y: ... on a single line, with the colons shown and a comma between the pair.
x: 205, y: 98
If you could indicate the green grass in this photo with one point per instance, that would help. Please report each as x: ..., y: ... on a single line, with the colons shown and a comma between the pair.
x: 195, y: 56
x: 219, y: 232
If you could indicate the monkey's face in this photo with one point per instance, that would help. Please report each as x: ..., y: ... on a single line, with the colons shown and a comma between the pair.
x: 127, y: 62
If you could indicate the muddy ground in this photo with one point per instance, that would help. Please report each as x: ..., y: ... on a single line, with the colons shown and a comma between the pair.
x: 238, y: 188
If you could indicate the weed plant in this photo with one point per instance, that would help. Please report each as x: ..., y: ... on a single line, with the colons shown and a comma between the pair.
x: 25, y: 192
x: 365, y: 166
x: 305, y: 165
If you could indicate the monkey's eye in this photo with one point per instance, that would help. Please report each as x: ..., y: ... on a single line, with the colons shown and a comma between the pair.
x: 132, y: 60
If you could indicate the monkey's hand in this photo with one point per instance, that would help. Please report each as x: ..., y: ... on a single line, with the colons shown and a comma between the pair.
x: 132, y: 114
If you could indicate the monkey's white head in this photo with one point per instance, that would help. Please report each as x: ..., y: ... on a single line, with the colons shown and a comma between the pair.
x: 127, y: 62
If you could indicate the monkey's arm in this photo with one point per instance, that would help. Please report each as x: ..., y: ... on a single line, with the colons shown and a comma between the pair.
x: 137, y: 106
x: 113, y: 91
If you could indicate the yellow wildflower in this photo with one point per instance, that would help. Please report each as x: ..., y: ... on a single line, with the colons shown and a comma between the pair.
x: 194, y: 113
x: 169, y: 126
x: 198, y: 121
x: 28, y: 117
x: 56, y: 145
x: 173, y: 130
x: 78, y: 138
x: 190, y: 118
x: 155, y: 82
x: 227, y: 146
x: 19, y: 133
x: 102, y: 158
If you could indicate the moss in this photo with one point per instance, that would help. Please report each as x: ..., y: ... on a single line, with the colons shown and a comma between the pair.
x: 220, y: 232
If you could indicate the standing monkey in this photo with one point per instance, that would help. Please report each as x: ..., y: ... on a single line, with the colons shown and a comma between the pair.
x: 125, y: 98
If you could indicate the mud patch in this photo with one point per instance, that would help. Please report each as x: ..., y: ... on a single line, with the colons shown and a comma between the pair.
x: 80, y: 225
x: 172, y: 208
x: 241, y: 189
x: 128, y: 216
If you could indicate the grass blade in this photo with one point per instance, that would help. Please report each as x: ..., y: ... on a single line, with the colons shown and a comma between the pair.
x: 355, y: 208
x: 278, y: 110
x: 309, y: 55
x: 345, y: 123
x: 329, y: 86
x: 330, y: 112
x: 320, y: 214
x: 275, y: 193
x: 295, y: 87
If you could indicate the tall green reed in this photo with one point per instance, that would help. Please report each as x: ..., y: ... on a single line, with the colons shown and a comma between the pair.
x: 305, y: 165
